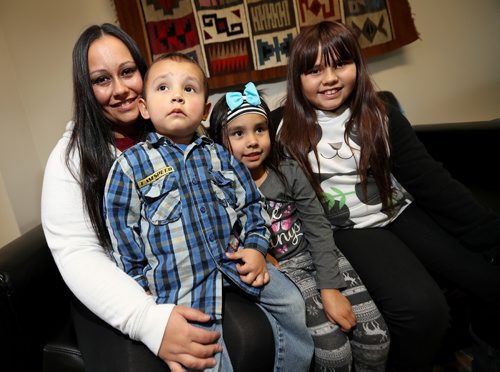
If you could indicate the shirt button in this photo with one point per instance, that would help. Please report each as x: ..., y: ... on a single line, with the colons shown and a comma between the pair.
x: 203, y: 209
x: 211, y: 237
x: 195, y: 182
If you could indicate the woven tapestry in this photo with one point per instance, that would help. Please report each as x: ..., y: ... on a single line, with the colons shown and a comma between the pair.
x: 234, y: 40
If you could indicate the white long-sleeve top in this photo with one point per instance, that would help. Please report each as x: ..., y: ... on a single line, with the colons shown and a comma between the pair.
x: 84, y: 265
x: 348, y: 207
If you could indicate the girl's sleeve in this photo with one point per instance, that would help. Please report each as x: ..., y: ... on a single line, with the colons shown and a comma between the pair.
x: 316, y: 228
x: 85, y: 267
x: 447, y: 200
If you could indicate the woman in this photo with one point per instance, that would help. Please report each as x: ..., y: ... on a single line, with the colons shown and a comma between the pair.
x: 107, y: 77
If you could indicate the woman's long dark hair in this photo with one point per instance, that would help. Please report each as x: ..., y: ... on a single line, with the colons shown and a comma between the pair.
x: 299, y: 135
x: 218, y: 132
x: 92, y: 137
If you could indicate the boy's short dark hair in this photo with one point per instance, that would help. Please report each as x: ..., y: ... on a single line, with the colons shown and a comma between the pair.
x: 178, y: 57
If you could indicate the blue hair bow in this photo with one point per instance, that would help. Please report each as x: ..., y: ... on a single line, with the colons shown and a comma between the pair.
x: 250, y: 94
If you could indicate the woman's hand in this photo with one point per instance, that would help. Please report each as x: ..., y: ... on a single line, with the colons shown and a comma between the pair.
x: 185, y: 345
x: 338, y: 309
x: 251, y: 265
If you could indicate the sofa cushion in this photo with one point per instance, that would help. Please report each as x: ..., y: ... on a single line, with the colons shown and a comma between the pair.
x: 34, y: 300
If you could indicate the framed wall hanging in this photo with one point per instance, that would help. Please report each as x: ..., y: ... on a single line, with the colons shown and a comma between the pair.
x: 236, y: 41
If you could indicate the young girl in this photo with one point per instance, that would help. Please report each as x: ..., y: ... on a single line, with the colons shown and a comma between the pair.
x: 361, y: 157
x: 302, y: 240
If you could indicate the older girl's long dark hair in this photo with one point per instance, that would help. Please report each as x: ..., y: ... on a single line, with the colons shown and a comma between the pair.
x: 299, y: 135
x: 92, y: 137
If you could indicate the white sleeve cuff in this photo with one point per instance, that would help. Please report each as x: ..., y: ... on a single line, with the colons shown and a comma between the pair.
x: 152, y: 329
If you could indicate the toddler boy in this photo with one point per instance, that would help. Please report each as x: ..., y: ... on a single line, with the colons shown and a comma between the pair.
x: 175, y: 204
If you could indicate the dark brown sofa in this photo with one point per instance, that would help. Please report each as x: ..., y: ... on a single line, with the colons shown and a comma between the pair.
x: 36, y: 331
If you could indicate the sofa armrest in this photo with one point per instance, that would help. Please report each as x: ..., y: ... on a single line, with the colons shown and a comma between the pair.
x: 34, y: 300
x: 469, y: 151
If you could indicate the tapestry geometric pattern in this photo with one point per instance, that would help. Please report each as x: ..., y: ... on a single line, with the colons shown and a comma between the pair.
x: 236, y: 41
x: 230, y: 36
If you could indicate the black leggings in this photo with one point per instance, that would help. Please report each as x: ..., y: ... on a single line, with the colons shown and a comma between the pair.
x: 396, y: 263
x: 247, y: 333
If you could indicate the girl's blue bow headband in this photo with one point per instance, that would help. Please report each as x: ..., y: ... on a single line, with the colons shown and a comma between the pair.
x: 246, y: 103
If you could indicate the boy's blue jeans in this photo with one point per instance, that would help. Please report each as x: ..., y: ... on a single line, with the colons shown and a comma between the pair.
x: 222, y: 358
x: 284, y: 306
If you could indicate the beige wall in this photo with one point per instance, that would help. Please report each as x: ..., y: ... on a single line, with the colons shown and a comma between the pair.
x: 449, y: 75
x: 36, y: 40
x: 8, y: 228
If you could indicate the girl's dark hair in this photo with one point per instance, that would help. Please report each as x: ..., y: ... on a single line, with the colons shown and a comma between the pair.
x: 218, y: 132
x: 92, y: 137
x: 299, y: 134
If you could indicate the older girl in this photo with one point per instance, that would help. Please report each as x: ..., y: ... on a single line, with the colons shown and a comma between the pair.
x: 398, y: 215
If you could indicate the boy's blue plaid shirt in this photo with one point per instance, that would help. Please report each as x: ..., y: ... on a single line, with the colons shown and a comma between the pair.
x: 172, y: 213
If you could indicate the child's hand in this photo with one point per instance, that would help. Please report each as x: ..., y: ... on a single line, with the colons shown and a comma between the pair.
x: 273, y: 260
x: 338, y: 309
x: 251, y: 266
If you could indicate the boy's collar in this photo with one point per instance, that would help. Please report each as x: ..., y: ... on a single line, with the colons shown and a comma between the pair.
x: 156, y: 140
